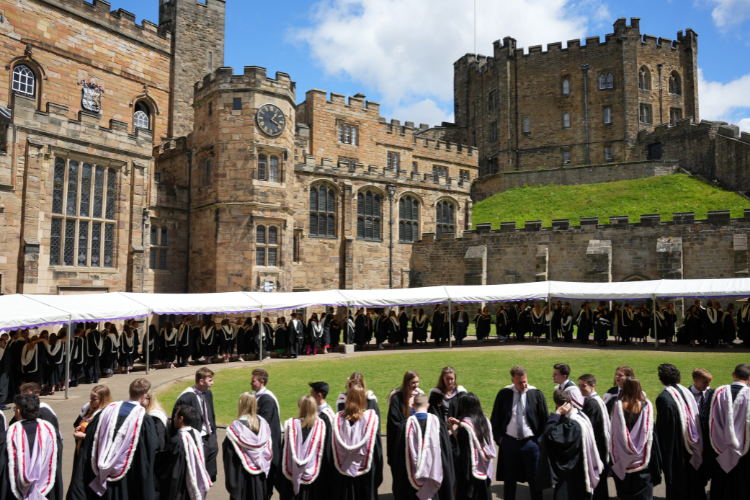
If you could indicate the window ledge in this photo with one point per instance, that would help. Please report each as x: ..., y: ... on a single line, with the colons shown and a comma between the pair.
x: 322, y: 237
x: 406, y: 242
x: 268, y: 269
x: 159, y: 271
x: 370, y: 240
x: 77, y: 269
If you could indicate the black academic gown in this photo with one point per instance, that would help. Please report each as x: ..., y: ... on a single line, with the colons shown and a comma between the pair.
x: 5, y: 375
x: 585, y: 323
x: 561, y: 461
x: 437, y: 326
x: 240, y: 484
x: 171, y: 469
x: 320, y: 489
x: 467, y: 486
x: 735, y: 484
x: 46, y: 414
x: 682, y: 480
x: 270, y: 412
x: 210, y: 444
x: 597, y: 418
x: 743, y: 323
x: 402, y: 488
x: 639, y: 485
x: 395, y: 422
x: 34, y: 370
x: 536, y: 413
x: 403, y: 326
x: 77, y: 360
x: 296, y: 333
x: 364, y: 487
x: 439, y: 408
x: 138, y: 482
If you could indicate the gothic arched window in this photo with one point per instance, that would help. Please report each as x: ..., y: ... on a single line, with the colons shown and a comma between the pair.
x: 24, y: 80
x: 322, y: 211
x: 369, y: 215
x: 408, y: 219
x: 445, y: 218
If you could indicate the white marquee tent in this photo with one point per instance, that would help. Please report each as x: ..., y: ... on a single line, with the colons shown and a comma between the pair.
x: 27, y: 311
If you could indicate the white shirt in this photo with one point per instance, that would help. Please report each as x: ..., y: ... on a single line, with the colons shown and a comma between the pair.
x: 699, y: 396
x: 512, y: 429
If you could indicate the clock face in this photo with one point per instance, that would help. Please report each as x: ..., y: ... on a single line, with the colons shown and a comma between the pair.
x: 271, y: 120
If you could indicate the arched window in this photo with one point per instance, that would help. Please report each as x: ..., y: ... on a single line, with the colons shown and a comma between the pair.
x: 446, y: 213
x: 267, y: 248
x: 566, y: 120
x: 408, y: 219
x: 262, y: 167
x: 675, y: 86
x: 322, y: 212
x: 369, y: 215
x: 644, y: 79
x: 566, y: 87
x: 24, y: 81
x: 610, y: 81
x: 602, y: 82
x: 142, y: 116
x: 273, y: 171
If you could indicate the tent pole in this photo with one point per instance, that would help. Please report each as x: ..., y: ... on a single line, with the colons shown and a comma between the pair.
x: 656, y: 333
x: 549, y: 308
x: 261, y: 332
x: 450, y: 324
x: 67, y: 358
x: 147, y: 345
x: 349, y: 333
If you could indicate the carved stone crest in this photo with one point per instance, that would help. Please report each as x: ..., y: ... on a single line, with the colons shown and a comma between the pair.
x: 91, y: 99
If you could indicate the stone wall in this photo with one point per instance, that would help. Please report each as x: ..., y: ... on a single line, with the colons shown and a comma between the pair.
x: 489, y: 185
x: 493, y: 95
x: 683, y: 249
x: 198, y: 32
x: 715, y: 150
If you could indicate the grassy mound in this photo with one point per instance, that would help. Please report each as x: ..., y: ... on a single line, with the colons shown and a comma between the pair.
x: 656, y: 195
x: 483, y: 372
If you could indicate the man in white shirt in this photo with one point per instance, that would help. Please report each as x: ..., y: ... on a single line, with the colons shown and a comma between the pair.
x: 518, y: 419
x: 561, y: 377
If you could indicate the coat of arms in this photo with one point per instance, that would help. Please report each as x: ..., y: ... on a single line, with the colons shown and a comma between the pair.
x: 92, y: 95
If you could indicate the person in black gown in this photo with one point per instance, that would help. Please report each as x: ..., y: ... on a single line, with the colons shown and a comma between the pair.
x: 246, y: 453
x: 99, y: 398
x: 611, y: 396
x: 475, y: 450
x: 427, y: 429
x: 201, y: 398
x: 33, y: 359
x: 399, y: 409
x: 585, y: 323
x: 596, y: 411
x: 307, y: 439
x: 419, y: 324
x: 134, y: 474
x: 77, y: 357
x: 569, y: 458
x: 268, y: 408
x: 359, y: 474
x: 181, y: 468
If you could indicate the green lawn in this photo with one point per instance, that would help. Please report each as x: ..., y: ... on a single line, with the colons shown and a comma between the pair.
x: 482, y: 372
x: 662, y: 195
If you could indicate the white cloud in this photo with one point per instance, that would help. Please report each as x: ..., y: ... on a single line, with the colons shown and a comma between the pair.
x: 405, y: 49
x: 427, y: 110
x: 729, y: 102
x: 730, y: 13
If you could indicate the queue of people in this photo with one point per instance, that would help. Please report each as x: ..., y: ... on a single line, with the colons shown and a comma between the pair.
x: 440, y: 445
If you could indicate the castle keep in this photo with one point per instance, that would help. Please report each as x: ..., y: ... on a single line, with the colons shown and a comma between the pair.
x: 132, y: 159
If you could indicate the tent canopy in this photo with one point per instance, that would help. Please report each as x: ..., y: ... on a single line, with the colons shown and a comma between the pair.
x: 38, y: 310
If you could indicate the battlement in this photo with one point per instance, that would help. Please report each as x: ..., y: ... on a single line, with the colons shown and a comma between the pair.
x: 172, y: 147
x: 357, y: 101
x: 687, y: 125
x: 714, y: 218
x: 99, y: 11
x: 253, y: 77
x: 507, y: 48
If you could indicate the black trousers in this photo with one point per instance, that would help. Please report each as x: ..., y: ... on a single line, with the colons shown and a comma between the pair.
x: 92, y: 371
x: 183, y: 355
x: 211, y: 448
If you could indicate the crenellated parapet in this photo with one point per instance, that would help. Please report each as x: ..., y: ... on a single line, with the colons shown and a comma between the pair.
x: 253, y: 78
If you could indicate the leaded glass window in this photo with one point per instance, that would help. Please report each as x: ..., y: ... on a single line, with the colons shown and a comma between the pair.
x: 157, y: 258
x: 267, y: 246
x: 322, y: 211
x: 83, y: 193
x: 445, y: 217
x: 408, y: 219
x: 369, y: 215
x: 273, y: 171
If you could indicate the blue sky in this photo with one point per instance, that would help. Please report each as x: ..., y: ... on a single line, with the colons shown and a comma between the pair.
x: 401, y: 52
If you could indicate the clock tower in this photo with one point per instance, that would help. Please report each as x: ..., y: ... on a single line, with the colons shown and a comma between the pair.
x: 241, y: 221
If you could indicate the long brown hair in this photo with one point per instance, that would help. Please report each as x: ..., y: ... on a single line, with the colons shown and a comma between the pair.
x: 308, y: 411
x: 356, y: 403
x: 626, y: 370
x: 405, y: 392
x: 441, y: 381
x: 356, y: 378
x: 632, y: 393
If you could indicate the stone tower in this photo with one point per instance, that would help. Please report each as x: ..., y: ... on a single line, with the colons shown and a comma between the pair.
x: 197, y: 47
x: 242, y: 222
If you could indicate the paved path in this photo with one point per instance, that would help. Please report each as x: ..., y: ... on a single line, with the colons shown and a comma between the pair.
x: 67, y: 410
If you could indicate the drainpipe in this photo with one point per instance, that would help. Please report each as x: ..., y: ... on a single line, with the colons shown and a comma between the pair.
x: 189, y: 205
x: 585, y: 68
x: 143, y: 244
x: 661, y: 96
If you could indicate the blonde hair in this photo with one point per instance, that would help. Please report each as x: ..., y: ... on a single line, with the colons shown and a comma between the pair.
x: 153, y: 403
x: 248, y: 407
x: 105, y: 397
x: 308, y: 411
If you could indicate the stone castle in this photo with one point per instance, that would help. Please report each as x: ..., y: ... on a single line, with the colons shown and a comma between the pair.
x: 131, y: 159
